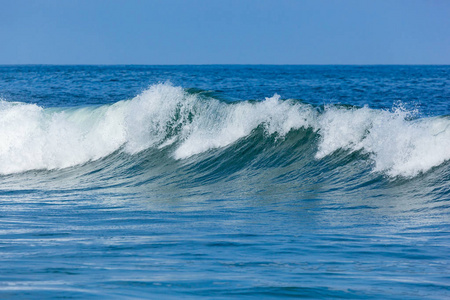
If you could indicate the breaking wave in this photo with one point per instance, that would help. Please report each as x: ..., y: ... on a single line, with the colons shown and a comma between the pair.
x: 186, y: 124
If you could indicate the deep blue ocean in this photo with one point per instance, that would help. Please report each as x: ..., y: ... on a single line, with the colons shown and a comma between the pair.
x: 169, y: 182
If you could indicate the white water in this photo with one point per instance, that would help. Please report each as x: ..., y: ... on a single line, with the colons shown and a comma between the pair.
x: 35, y: 138
x: 397, y: 146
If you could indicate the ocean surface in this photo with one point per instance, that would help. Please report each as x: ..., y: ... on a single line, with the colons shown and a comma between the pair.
x: 169, y: 182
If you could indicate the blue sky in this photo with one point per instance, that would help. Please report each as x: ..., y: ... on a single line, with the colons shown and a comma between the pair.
x: 225, y: 32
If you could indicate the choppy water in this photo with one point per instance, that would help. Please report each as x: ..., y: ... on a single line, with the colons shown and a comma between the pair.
x: 225, y: 181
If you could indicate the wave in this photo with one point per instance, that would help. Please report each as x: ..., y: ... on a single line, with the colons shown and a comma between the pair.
x: 189, y: 124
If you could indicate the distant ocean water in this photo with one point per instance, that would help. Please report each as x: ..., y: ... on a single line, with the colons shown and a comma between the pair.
x: 225, y: 181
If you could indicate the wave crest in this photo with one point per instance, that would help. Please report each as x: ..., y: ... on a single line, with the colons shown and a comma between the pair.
x: 192, y: 123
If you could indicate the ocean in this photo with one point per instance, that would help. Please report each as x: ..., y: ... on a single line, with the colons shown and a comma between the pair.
x: 218, y: 182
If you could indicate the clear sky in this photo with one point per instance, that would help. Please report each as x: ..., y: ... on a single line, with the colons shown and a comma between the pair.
x: 225, y: 32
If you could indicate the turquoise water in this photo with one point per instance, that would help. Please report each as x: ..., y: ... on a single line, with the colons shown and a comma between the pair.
x: 225, y: 181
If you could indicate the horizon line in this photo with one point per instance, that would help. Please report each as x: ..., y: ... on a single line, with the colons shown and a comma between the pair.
x: 215, y: 64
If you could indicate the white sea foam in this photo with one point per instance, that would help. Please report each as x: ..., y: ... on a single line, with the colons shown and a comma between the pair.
x: 35, y: 138
x: 396, y: 145
x: 224, y: 124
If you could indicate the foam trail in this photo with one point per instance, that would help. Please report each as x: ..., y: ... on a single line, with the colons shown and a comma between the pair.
x: 32, y: 137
